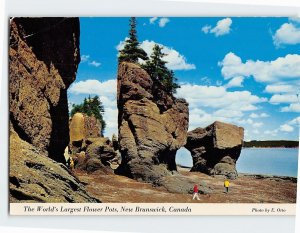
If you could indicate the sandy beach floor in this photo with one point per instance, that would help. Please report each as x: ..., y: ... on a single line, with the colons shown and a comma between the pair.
x: 110, y: 188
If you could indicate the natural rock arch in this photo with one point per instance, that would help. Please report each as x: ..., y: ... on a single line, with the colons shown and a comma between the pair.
x: 184, y: 158
x: 216, y: 148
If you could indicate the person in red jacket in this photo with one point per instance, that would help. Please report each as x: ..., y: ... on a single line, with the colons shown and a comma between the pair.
x: 195, y: 195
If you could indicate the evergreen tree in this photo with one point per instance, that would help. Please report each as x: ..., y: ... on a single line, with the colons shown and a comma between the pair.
x: 156, y: 68
x: 132, y: 51
x: 91, y: 106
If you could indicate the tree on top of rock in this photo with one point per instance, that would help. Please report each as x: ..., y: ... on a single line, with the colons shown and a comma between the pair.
x: 156, y: 68
x: 91, y: 106
x: 132, y: 51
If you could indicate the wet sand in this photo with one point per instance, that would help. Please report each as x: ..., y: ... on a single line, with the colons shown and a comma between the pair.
x: 110, y: 188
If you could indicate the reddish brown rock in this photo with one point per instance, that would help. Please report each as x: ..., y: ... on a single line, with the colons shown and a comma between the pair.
x: 43, y: 61
x: 44, y: 55
x: 152, y: 125
x: 216, y: 148
x: 81, y: 128
x: 34, y: 177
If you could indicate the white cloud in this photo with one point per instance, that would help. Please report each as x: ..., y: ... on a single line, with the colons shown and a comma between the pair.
x: 205, y: 80
x: 84, y: 58
x: 206, y: 29
x: 94, y: 63
x: 295, y: 121
x: 163, y: 22
x: 219, y: 82
x: 257, y: 124
x: 262, y: 115
x: 282, y: 88
x: 282, y: 69
x: 288, y: 34
x: 93, y: 86
x: 235, y: 82
x: 271, y: 132
x: 107, y: 92
x: 218, y: 97
x: 277, y: 99
x: 152, y: 20
x: 286, y: 128
x: 291, y: 108
x: 175, y: 60
x: 294, y: 19
x: 222, y: 27
x: 255, y: 131
x: 210, y: 103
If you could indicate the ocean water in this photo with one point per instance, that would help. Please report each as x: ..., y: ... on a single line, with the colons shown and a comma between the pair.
x: 266, y: 161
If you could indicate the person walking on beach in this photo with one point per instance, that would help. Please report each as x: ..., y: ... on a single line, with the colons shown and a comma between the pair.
x: 195, y: 195
x: 226, y: 185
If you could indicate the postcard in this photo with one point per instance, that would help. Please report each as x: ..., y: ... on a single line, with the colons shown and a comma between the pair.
x: 153, y: 115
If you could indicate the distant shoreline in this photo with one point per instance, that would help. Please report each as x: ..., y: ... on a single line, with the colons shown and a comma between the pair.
x: 271, y: 144
x: 255, y: 175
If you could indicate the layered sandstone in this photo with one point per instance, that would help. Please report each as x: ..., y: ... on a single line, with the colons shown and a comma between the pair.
x: 43, y: 61
x: 34, y: 177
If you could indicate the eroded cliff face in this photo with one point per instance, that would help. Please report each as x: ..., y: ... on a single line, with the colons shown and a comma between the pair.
x: 43, y: 61
x: 216, y: 148
x: 152, y: 125
x: 34, y: 177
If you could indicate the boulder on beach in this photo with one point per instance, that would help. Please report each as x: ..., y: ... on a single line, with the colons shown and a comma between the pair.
x: 216, y: 148
x: 99, y: 155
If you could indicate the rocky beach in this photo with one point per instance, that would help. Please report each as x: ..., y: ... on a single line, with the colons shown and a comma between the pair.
x: 245, y: 189
x: 59, y: 157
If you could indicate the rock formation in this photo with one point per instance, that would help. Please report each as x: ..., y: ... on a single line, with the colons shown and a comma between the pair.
x: 34, y: 177
x: 152, y: 125
x: 90, y: 151
x: 43, y: 61
x: 99, y: 156
x: 216, y: 148
x: 81, y: 128
x: 44, y: 55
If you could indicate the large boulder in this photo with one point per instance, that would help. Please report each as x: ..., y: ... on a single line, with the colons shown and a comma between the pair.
x: 216, y: 148
x: 34, y: 177
x: 82, y: 127
x: 152, y: 125
x: 43, y: 61
x: 99, y: 156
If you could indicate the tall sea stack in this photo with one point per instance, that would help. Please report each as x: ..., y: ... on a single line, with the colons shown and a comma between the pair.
x: 43, y: 61
x: 152, y: 125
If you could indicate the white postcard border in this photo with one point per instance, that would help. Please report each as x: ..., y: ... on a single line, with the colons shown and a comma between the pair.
x: 146, y: 209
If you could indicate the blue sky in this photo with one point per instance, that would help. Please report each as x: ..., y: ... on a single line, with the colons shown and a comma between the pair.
x: 244, y: 71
